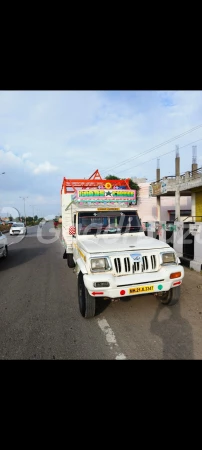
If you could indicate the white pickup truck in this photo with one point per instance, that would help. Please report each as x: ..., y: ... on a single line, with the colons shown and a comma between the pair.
x: 3, y: 246
x: 113, y: 258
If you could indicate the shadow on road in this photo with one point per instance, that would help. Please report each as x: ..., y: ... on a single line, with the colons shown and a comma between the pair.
x: 101, y: 305
x: 21, y: 256
x: 175, y: 332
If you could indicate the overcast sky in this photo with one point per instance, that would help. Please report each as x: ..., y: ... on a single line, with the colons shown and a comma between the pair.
x: 46, y: 135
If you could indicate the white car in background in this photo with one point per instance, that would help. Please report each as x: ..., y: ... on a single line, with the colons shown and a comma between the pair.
x: 3, y: 246
x: 18, y: 228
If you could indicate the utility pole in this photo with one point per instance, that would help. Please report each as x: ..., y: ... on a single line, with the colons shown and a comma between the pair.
x: 24, y: 198
x: 158, y: 197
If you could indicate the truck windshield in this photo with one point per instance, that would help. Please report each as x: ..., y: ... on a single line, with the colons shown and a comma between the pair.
x: 108, y: 222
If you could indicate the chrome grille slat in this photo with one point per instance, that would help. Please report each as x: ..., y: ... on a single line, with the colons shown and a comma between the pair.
x: 125, y: 265
x: 136, y: 267
x: 153, y: 261
x: 145, y: 263
x: 117, y: 263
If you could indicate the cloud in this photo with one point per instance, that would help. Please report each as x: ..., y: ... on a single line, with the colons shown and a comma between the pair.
x: 53, y: 134
x: 7, y: 147
x: 45, y: 167
x: 26, y: 155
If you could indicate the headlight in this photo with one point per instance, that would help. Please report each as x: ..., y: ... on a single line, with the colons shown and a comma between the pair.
x: 169, y: 258
x: 100, y: 264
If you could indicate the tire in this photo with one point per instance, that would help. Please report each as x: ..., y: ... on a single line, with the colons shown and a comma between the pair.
x: 86, y: 302
x: 65, y: 255
x: 5, y: 252
x: 70, y: 261
x: 170, y: 297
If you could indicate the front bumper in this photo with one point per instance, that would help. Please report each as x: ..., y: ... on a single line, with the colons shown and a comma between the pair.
x: 16, y: 233
x: 139, y: 284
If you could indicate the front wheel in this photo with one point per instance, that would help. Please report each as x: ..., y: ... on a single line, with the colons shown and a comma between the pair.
x: 170, y: 297
x: 5, y: 252
x: 86, y: 302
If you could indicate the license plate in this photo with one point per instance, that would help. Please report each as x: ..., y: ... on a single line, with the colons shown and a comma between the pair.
x: 139, y: 289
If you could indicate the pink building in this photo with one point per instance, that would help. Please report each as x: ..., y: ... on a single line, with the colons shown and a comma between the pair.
x: 147, y: 206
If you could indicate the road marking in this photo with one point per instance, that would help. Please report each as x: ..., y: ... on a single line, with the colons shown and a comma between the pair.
x: 10, y: 243
x: 110, y: 338
x: 109, y: 334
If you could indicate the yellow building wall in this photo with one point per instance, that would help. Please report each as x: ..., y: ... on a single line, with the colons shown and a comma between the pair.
x: 198, y: 200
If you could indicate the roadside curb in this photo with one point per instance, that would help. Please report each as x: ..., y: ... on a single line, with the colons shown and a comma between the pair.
x: 191, y: 264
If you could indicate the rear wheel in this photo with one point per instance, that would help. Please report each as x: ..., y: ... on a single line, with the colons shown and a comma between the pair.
x: 170, y: 297
x: 65, y: 255
x: 70, y: 260
x: 86, y: 302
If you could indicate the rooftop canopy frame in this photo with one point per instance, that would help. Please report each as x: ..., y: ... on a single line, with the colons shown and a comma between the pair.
x: 70, y: 186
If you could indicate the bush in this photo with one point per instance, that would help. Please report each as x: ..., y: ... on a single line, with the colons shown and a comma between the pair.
x: 29, y: 224
x: 5, y: 227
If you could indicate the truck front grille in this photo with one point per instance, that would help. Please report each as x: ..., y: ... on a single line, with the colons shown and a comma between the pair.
x: 125, y: 265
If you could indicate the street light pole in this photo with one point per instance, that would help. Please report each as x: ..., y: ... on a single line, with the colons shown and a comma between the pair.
x: 24, y: 198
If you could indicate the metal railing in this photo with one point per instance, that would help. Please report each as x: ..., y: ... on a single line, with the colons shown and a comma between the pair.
x: 189, y: 174
x: 196, y: 172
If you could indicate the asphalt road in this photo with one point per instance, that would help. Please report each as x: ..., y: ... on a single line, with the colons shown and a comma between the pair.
x: 40, y: 318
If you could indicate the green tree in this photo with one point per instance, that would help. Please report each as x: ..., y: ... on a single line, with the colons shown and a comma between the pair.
x: 10, y: 218
x: 35, y: 218
x: 29, y: 220
x: 132, y: 184
x: 112, y: 177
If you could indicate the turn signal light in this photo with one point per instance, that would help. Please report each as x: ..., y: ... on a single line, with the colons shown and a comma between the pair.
x: 175, y: 275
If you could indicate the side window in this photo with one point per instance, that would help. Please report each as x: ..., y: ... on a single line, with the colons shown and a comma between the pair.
x: 74, y: 220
